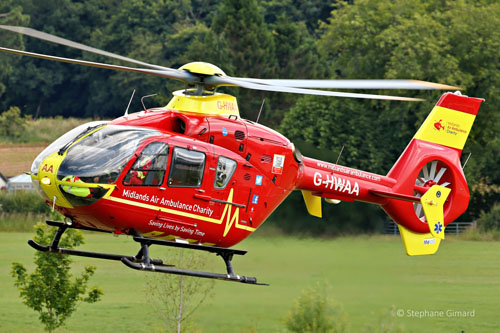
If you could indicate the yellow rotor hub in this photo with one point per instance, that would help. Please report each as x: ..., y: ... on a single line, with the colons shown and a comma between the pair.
x: 202, y: 68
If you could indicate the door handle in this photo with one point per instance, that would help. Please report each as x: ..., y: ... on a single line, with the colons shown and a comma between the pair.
x: 203, y: 197
x: 209, y: 198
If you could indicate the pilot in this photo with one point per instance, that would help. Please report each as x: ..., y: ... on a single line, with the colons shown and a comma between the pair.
x: 221, y: 175
x: 139, y: 175
x: 221, y: 178
x: 106, y: 177
x: 78, y: 191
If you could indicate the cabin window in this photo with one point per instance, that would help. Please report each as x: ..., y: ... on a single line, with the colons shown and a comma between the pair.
x: 225, y: 170
x: 187, y: 168
x: 149, y: 168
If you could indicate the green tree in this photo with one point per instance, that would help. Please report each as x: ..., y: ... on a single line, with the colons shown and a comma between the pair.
x: 23, y: 202
x: 49, y: 289
x: 167, y: 33
x: 10, y: 14
x: 490, y: 221
x: 37, y: 84
x: 476, y: 41
x: 298, y: 57
x: 12, y: 124
x: 250, y: 47
x: 311, y: 12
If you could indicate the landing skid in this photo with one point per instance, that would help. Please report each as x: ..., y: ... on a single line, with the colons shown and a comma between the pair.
x: 142, y: 260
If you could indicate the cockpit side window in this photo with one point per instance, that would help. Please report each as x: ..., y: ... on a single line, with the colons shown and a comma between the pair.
x: 187, y: 168
x: 149, y: 168
x: 225, y: 170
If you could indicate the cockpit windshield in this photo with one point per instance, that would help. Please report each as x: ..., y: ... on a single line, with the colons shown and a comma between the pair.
x: 63, y: 141
x: 101, y: 156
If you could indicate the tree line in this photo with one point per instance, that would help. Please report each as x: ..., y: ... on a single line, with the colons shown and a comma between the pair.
x: 450, y: 42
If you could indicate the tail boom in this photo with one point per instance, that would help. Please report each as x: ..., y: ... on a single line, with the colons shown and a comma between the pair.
x: 437, y: 145
x: 332, y: 181
x: 429, y: 167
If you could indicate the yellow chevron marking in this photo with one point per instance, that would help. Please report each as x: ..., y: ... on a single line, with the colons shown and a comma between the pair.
x: 226, y: 214
x: 236, y: 216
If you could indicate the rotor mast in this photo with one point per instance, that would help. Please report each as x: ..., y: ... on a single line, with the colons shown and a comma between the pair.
x: 199, y: 97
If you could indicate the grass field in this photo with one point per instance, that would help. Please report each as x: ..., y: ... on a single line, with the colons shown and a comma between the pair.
x: 368, y: 275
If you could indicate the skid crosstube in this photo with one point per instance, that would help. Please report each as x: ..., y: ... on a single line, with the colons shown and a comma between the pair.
x: 142, y: 260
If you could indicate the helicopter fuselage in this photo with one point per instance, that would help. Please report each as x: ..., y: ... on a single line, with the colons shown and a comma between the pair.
x: 221, y: 178
x: 213, y: 179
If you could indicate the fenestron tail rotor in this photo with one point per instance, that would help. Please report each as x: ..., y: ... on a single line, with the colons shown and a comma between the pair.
x: 203, y: 77
x: 433, y: 173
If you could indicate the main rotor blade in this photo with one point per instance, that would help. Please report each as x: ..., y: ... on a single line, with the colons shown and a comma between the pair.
x: 62, y: 41
x: 354, y: 84
x: 168, y: 73
x: 226, y: 80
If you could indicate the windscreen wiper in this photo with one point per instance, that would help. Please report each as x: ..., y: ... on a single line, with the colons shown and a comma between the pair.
x: 67, y: 145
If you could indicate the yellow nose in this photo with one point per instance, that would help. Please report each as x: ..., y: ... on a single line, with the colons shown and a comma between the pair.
x: 47, y: 178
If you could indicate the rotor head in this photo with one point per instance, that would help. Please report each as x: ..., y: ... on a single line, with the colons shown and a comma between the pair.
x: 203, y: 68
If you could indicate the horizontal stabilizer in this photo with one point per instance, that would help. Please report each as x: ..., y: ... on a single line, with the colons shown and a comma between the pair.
x: 397, y: 196
x: 417, y: 244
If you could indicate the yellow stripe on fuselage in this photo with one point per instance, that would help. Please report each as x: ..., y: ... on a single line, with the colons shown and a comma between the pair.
x: 446, y: 127
x: 230, y: 219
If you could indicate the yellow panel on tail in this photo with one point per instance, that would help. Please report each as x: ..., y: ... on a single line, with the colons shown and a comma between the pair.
x: 420, y: 244
x: 313, y: 203
x: 433, y: 203
x: 446, y: 127
x: 417, y: 244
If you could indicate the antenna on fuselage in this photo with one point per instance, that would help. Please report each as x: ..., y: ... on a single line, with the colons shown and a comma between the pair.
x: 128, y: 106
x: 340, y: 153
x: 260, y: 111
x: 142, y: 100
x: 467, y: 160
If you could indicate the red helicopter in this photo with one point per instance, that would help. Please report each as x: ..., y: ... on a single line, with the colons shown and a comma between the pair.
x: 193, y: 174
